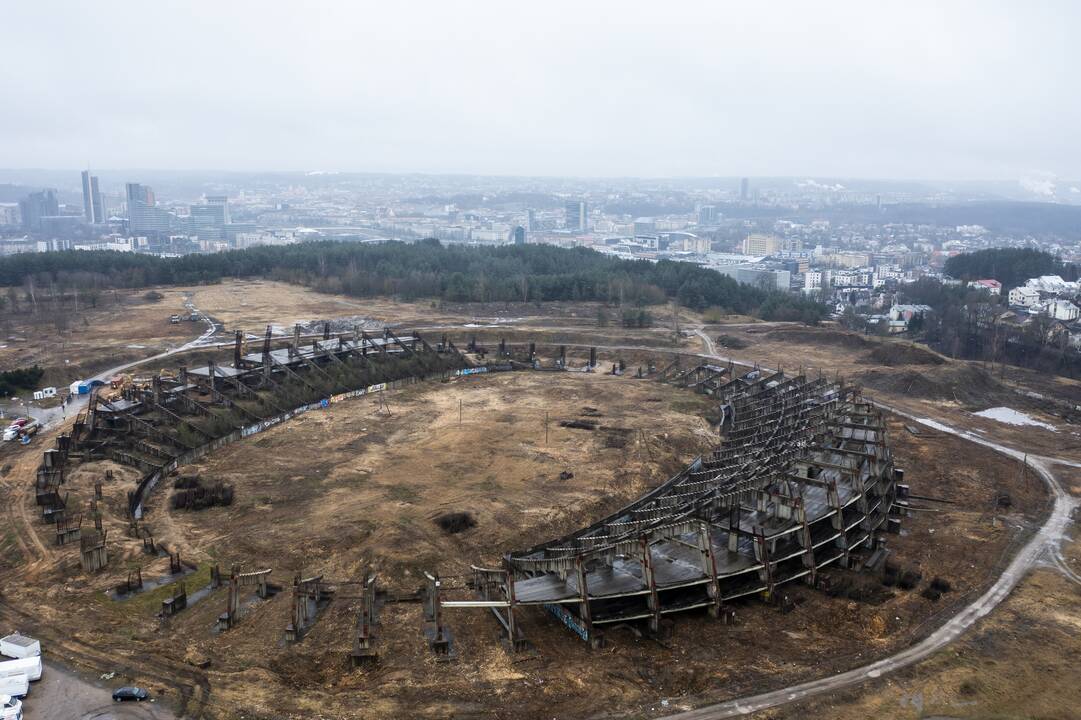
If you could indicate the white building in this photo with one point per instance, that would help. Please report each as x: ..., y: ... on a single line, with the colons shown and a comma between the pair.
x: 814, y: 280
x: 1024, y: 297
x: 1063, y: 310
x: 1052, y: 285
x: 852, y: 278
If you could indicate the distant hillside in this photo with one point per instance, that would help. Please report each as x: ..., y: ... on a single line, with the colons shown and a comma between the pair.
x: 425, y: 270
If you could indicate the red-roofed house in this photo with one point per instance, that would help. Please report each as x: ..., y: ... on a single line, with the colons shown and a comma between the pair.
x: 992, y: 286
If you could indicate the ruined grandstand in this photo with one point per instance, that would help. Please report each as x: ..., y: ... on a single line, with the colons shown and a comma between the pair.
x: 168, y: 420
x: 802, y: 479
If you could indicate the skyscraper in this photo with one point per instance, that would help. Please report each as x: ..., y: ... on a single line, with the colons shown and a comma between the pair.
x: 144, y: 217
x: 531, y: 220
x: 138, y: 194
x: 707, y: 215
x: 577, y: 215
x: 220, y: 201
x: 519, y: 235
x: 37, y: 206
x: 93, y: 207
x: 744, y: 189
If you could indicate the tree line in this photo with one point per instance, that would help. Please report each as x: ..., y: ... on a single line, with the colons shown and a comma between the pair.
x: 1010, y: 266
x: 422, y: 270
x: 12, y: 381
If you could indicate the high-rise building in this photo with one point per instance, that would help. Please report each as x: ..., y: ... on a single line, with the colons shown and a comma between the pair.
x: 88, y: 204
x: 36, y: 206
x: 531, y: 220
x: 208, y: 221
x: 144, y: 217
x: 744, y: 189
x: 93, y: 206
x: 756, y: 244
x: 138, y: 194
x: 9, y: 214
x: 221, y: 201
x: 707, y: 215
x: 577, y: 215
x: 519, y: 235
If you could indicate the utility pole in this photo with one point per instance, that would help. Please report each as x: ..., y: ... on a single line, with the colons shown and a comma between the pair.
x: 459, y: 411
x: 546, y: 428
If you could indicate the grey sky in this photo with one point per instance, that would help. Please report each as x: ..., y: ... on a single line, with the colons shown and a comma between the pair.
x: 978, y: 90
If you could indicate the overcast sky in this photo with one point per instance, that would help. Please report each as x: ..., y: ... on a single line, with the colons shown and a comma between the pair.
x: 936, y: 90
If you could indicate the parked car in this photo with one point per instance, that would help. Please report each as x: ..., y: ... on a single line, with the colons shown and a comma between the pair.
x: 22, y: 428
x: 137, y: 694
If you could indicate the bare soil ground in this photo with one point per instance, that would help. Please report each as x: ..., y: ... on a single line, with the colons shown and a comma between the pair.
x: 348, y: 489
x: 1021, y: 661
x: 252, y: 304
x: 363, y: 486
x: 71, y: 345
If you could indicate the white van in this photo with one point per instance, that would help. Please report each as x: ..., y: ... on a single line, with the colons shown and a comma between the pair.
x: 30, y: 667
x: 14, y: 685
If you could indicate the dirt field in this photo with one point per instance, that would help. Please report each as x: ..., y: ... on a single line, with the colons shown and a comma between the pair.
x: 363, y: 485
x: 72, y: 345
x: 1021, y: 661
x: 347, y: 489
x: 252, y: 304
x: 122, y: 325
x: 350, y: 488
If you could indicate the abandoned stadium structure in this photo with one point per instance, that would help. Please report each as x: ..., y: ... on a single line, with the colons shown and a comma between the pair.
x: 171, y: 420
x: 802, y: 479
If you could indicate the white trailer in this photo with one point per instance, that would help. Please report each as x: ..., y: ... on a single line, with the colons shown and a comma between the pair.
x: 14, y: 685
x: 19, y: 646
x: 30, y: 667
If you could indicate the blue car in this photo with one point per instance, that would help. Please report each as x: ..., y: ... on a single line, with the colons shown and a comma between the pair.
x: 130, y: 693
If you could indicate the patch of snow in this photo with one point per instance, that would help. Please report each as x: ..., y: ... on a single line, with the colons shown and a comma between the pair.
x: 1010, y: 416
x: 935, y: 425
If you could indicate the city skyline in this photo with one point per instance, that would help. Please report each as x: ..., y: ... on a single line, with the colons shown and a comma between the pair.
x: 966, y: 92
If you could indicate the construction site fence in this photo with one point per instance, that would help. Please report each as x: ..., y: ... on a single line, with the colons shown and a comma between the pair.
x: 151, y: 479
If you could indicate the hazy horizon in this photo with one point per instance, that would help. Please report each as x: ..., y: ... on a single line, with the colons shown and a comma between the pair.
x: 966, y: 92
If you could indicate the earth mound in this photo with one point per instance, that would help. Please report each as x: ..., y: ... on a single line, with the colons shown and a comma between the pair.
x: 895, y: 354
x: 822, y: 336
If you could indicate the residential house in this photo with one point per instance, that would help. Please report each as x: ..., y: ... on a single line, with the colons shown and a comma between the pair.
x: 1025, y: 297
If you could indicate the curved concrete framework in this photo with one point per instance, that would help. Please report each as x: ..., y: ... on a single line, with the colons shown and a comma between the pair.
x: 140, y: 428
x: 802, y: 479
